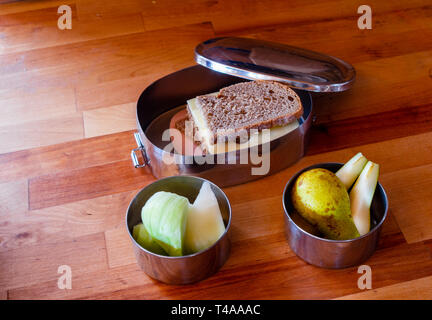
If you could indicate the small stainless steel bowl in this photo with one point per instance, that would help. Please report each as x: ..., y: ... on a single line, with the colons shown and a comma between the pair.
x: 327, y: 253
x: 189, y: 268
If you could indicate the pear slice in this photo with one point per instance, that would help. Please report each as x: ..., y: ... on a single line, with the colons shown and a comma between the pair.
x: 204, y: 222
x: 361, y: 196
x: 351, y: 170
x: 164, y: 216
x: 145, y: 240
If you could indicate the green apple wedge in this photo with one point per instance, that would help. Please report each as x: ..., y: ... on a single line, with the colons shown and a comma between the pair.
x: 351, y: 170
x: 361, y: 196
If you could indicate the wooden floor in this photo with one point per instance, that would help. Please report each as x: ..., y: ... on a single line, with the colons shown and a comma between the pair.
x: 67, y: 116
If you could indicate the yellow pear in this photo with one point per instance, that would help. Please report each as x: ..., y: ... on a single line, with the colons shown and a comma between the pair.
x: 322, y: 199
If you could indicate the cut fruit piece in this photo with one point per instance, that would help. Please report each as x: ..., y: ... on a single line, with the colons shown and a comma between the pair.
x: 145, y: 240
x: 361, y: 197
x: 204, y: 222
x: 164, y: 217
x: 351, y: 170
x: 322, y: 200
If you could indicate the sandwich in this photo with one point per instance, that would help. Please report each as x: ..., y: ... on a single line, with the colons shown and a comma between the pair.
x: 241, y: 111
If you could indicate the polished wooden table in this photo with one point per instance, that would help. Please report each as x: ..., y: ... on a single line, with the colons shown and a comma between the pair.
x: 66, y: 131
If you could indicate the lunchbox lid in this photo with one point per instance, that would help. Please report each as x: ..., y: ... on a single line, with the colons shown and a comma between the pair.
x: 263, y: 60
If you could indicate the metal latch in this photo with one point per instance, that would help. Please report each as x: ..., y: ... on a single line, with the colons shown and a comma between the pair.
x: 140, y: 148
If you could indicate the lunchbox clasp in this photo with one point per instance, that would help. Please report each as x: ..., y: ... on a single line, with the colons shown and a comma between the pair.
x: 140, y: 148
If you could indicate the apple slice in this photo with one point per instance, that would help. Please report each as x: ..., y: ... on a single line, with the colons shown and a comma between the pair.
x: 204, y: 222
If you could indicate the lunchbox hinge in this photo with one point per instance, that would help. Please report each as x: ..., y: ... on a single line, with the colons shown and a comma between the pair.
x: 140, y: 148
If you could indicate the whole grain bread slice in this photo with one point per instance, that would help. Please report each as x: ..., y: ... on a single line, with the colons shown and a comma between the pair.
x: 249, y: 105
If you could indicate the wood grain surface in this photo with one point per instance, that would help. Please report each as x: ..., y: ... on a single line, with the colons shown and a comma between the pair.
x: 67, y: 117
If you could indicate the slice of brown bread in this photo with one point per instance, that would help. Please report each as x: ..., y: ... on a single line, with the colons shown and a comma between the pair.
x: 249, y: 105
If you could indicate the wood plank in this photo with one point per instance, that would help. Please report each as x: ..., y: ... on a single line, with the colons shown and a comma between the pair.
x: 87, y: 183
x: 159, y: 14
x: 21, y: 105
x: 263, y: 216
x: 83, y: 255
x: 170, y: 13
x: 33, y: 15
x: 387, y: 153
x: 97, y: 61
x: 276, y: 279
x: 19, y: 6
x: 85, y: 283
x: 356, y: 131
x: 108, y: 120
x: 66, y: 156
x: 6, y: 1
x: 418, y: 289
x: 382, y: 41
x: 65, y: 222
x: 408, y: 189
x: 56, y: 189
x: 389, y: 92
x: 90, y: 9
x: 389, y: 231
x: 251, y: 15
x: 123, y: 91
x: 41, y: 133
x: 23, y: 230
x: 119, y: 247
x: 13, y: 199
x: 22, y: 33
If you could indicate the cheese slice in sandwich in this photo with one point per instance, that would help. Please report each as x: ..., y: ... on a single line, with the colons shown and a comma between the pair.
x: 239, y: 108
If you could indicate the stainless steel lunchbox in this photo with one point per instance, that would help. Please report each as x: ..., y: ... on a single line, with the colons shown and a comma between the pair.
x: 184, y: 269
x: 333, y: 254
x: 222, y: 62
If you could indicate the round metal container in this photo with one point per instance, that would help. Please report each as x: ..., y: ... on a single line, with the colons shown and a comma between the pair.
x: 160, y: 101
x: 333, y: 253
x: 184, y: 269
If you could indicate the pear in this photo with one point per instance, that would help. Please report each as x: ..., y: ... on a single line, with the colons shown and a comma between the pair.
x: 322, y: 199
x: 303, y: 224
